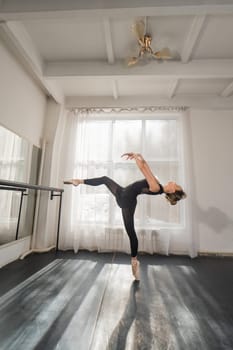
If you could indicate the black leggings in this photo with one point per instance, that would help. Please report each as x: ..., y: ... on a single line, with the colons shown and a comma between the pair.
x: 127, y: 213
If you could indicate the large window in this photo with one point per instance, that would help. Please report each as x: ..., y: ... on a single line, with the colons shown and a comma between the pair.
x: 105, y: 141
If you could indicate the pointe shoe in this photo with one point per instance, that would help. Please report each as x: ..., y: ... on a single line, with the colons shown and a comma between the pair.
x: 74, y: 182
x: 135, y: 269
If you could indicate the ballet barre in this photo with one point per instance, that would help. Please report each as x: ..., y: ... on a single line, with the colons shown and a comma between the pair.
x: 23, y: 187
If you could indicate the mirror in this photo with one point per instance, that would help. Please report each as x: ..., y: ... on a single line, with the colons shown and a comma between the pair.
x: 19, y: 161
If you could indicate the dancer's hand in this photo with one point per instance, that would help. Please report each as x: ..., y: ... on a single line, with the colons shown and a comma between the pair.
x: 145, y: 169
x: 131, y: 155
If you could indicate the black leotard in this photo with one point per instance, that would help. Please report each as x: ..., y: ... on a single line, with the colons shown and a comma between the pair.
x: 126, y: 198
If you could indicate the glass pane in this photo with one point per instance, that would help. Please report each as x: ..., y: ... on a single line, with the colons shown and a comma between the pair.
x: 98, y: 139
x: 165, y: 171
x: 95, y: 208
x: 126, y: 137
x: 160, y: 213
x: 125, y: 175
x: 92, y: 171
x: 161, y: 139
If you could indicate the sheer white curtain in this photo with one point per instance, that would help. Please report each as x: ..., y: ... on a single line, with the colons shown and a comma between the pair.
x: 14, y: 164
x: 93, y: 147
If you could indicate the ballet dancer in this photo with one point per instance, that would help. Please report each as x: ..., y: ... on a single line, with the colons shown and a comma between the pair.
x: 126, y: 198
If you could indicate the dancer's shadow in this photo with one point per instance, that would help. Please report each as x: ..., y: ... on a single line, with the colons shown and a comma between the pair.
x: 131, y: 314
x: 213, y: 217
x: 118, y: 338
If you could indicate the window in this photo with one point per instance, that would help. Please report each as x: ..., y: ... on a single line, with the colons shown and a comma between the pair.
x: 105, y: 141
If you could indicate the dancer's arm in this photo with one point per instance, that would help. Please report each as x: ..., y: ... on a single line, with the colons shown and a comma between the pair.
x: 145, y: 169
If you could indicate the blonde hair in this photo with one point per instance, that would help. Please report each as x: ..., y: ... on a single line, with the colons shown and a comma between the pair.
x: 176, y: 196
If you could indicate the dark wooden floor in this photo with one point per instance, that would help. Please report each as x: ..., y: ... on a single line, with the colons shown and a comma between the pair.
x: 89, y: 301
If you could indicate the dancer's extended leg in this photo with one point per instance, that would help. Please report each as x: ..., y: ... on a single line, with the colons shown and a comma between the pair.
x: 104, y: 180
x: 113, y: 187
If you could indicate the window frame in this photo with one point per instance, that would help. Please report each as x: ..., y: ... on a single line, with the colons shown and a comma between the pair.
x: 110, y: 164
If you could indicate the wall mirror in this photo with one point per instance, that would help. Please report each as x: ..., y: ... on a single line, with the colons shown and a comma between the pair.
x: 20, y: 162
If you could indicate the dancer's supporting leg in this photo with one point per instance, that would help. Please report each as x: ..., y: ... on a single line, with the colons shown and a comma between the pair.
x: 128, y: 218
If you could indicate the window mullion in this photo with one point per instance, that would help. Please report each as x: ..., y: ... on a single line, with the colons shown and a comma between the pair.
x: 110, y: 171
x: 143, y: 148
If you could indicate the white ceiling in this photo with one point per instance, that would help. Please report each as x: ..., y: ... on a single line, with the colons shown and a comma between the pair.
x: 77, y: 50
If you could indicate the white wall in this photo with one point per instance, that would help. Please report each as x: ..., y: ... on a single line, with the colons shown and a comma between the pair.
x: 22, y: 110
x: 48, y: 210
x: 212, y: 145
x: 22, y: 102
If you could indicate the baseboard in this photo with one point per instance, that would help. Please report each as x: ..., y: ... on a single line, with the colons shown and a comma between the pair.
x: 215, y: 254
x: 42, y: 250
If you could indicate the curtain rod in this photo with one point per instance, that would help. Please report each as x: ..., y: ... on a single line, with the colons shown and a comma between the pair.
x: 140, y: 109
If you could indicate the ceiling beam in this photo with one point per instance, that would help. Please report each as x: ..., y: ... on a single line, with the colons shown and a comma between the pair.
x: 108, y: 41
x: 115, y: 89
x: 20, y: 44
x: 195, y: 102
x: 196, y: 69
x: 228, y: 91
x: 192, y: 37
x: 172, y: 88
x: 24, y: 9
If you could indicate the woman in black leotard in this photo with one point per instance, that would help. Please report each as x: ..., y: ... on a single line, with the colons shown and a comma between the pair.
x: 126, y: 198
